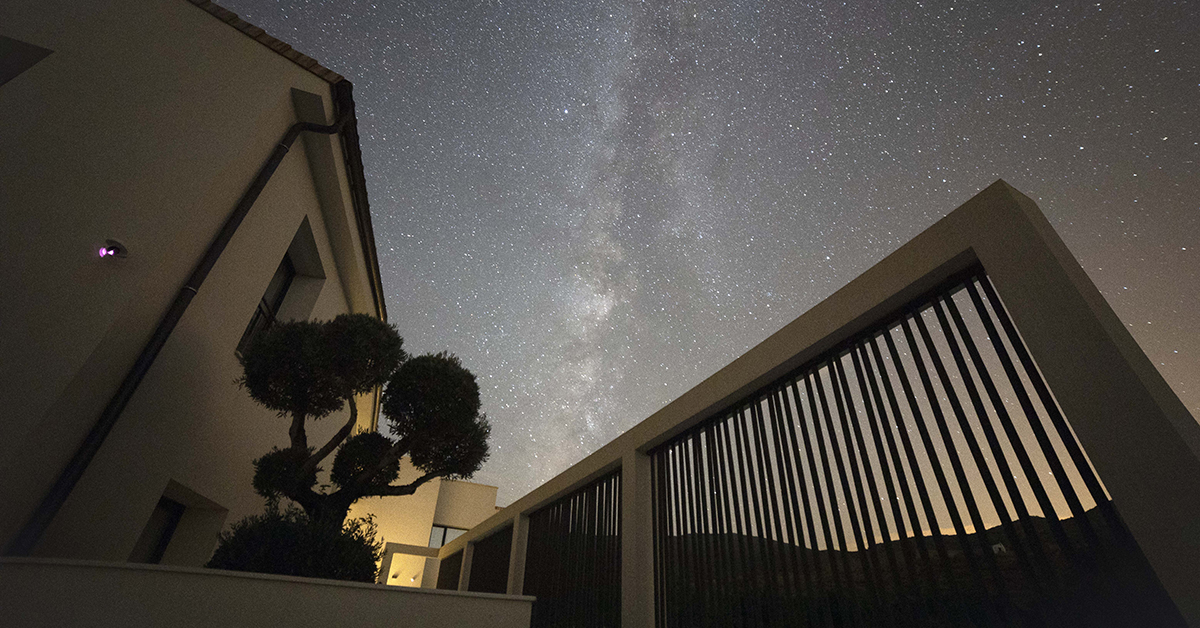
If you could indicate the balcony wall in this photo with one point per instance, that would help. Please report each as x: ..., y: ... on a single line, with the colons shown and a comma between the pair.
x: 48, y: 592
x: 1115, y: 402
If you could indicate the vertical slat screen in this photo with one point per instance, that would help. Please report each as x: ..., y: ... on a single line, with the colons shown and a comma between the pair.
x: 573, y: 560
x: 920, y: 474
x: 489, y: 563
x: 449, y: 571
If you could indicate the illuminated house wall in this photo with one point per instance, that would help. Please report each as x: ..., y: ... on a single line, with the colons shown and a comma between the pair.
x: 405, y: 524
x: 145, y: 123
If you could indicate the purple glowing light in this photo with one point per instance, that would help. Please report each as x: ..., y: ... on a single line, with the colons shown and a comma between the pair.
x: 111, y: 248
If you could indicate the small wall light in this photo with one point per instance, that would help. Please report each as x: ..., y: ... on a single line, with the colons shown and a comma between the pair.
x: 113, y: 248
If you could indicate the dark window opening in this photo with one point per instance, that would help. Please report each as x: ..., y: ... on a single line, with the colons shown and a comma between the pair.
x: 268, y: 306
x: 17, y: 56
x: 152, y: 544
x: 441, y: 535
x: 449, y: 571
x: 489, y: 563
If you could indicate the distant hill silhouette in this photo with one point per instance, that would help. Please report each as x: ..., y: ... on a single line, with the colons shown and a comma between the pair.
x: 1097, y: 579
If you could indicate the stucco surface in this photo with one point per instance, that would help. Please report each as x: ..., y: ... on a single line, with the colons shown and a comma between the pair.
x: 146, y: 124
x: 37, y: 593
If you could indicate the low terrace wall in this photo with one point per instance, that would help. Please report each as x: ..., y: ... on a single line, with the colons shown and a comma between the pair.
x: 50, y: 592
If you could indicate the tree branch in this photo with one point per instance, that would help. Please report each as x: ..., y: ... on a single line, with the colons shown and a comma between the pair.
x: 407, y: 489
x: 310, y: 465
x: 306, y: 497
x: 395, y: 453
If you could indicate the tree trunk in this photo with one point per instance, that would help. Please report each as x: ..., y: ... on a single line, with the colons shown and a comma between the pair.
x: 329, y: 510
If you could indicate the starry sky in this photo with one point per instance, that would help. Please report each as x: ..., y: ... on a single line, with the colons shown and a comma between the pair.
x: 598, y: 204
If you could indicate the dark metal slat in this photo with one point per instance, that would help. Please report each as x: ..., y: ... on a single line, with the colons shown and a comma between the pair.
x: 1039, y: 432
x: 811, y: 559
x: 939, y: 475
x: 787, y: 493
x: 1008, y: 526
x: 964, y: 486
x: 856, y: 502
x: 901, y: 599
x: 1082, y: 467
x: 1015, y: 443
x: 853, y: 601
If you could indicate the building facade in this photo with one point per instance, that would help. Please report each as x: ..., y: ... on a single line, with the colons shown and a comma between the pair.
x: 414, y: 527
x: 133, y: 130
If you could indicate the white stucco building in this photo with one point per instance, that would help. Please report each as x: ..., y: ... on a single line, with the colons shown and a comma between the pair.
x: 142, y: 124
x: 171, y: 180
x: 415, y: 527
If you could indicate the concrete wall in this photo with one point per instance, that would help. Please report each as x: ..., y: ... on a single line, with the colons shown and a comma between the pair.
x: 403, y: 519
x: 409, y: 566
x: 405, y: 523
x: 464, y: 504
x: 49, y: 593
x: 146, y: 123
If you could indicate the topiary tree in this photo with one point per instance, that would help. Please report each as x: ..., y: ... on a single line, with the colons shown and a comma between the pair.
x: 306, y: 371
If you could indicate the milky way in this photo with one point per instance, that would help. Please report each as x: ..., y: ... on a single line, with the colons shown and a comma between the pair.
x: 596, y: 205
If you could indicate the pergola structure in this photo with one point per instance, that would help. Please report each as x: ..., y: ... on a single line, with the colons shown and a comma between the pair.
x: 664, y: 513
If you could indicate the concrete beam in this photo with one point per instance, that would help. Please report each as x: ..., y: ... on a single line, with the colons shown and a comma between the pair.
x: 637, y: 542
x: 516, y: 558
x: 464, y: 576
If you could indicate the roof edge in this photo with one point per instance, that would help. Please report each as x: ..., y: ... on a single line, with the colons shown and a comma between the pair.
x: 261, y: 36
x: 343, y: 104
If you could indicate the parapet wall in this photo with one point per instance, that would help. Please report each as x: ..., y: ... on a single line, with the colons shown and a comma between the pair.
x: 37, y: 593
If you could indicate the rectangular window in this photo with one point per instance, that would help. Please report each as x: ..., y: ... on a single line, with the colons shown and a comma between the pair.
x: 268, y: 305
x: 152, y: 544
x: 17, y: 56
x: 441, y: 535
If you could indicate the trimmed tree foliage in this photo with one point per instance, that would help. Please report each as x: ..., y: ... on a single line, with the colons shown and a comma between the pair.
x: 285, y: 542
x: 306, y: 371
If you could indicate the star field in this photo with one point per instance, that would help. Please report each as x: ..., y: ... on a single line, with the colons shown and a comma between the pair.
x: 596, y: 205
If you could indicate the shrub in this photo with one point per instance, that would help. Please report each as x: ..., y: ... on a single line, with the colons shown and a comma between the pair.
x: 288, y: 543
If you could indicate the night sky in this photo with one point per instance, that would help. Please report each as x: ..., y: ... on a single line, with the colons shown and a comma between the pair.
x: 597, y: 204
